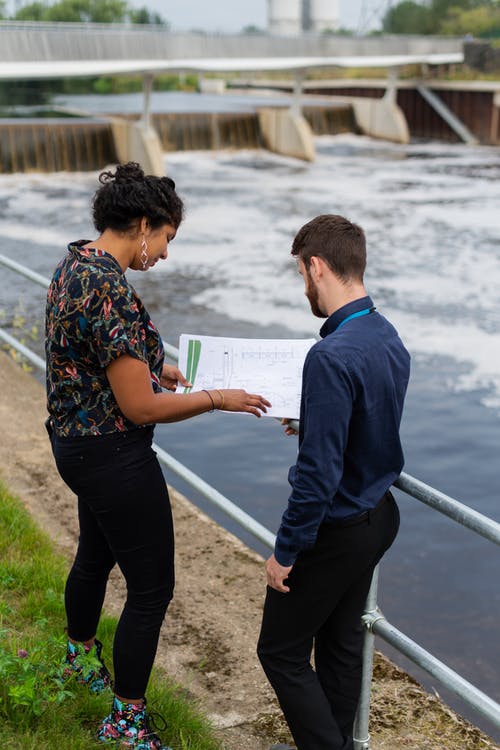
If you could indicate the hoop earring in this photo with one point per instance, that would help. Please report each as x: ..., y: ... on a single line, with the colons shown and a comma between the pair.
x: 144, y: 253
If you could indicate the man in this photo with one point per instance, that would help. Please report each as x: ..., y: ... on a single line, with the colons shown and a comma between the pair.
x: 341, y: 517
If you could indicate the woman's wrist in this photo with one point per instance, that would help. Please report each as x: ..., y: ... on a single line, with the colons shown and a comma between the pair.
x: 212, y: 402
x: 216, y: 401
x: 221, y: 405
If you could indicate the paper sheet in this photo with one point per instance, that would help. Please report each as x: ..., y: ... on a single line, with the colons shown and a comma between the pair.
x: 269, y: 367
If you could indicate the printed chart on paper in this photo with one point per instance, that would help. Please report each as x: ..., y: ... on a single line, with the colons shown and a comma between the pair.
x: 270, y: 367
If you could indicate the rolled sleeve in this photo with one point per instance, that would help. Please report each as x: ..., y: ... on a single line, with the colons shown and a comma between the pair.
x: 327, y: 395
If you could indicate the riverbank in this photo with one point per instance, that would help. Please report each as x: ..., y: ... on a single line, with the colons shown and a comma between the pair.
x: 208, y: 640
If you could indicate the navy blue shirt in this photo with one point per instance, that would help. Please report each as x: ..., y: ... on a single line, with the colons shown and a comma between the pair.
x: 353, y: 387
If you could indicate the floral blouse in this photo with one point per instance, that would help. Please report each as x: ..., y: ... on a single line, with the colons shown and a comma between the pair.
x: 93, y: 316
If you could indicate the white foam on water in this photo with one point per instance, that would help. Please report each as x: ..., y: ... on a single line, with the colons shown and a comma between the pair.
x: 45, y: 208
x: 430, y: 212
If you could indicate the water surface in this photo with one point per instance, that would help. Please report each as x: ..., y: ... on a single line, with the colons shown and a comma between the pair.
x: 430, y: 212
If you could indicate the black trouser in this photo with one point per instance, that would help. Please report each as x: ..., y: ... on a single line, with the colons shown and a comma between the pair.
x: 125, y: 518
x: 328, y: 589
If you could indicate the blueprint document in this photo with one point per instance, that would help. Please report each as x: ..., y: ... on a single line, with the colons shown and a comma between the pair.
x: 269, y: 367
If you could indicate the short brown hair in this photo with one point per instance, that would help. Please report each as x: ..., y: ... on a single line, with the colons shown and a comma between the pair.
x: 341, y: 244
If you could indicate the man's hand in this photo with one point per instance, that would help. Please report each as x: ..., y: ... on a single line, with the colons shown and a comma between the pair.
x: 276, y: 575
x: 170, y: 376
x: 288, y: 429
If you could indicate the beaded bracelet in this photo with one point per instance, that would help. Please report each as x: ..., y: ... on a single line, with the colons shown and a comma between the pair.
x: 210, y: 397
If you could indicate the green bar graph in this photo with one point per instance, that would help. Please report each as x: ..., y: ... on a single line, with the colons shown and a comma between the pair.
x: 193, y: 357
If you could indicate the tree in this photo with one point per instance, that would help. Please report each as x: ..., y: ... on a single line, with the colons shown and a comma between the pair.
x: 408, y: 17
x: 441, y: 8
x: 145, y: 16
x: 252, y: 29
x: 478, y: 17
x: 87, y: 11
x: 31, y: 12
x: 483, y: 21
x: 2, y: 8
x: 95, y: 11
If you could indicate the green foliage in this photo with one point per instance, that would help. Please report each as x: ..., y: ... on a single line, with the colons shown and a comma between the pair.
x: 145, y: 16
x: 483, y: 21
x: 38, y: 710
x: 31, y: 12
x: 88, y: 11
x: 94, y: 11
x: 457, y: 17
x: 408, y: 17
x: 171, y: 82
x: 29, y: 682
x: 121, y: 85
x: 22, y: 331
x: 441, y: 8
x: 24, y: 93
x: 252, y: 29
x: 342, y: 31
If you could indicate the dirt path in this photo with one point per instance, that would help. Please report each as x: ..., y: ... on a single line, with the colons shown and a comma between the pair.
x: 208, y: 640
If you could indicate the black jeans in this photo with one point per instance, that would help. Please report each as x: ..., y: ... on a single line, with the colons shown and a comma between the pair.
x: 125, y: 518
x: 328, y: 589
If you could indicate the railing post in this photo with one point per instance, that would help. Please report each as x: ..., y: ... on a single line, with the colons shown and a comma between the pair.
x: 147, y: 86
x: 361, y: 734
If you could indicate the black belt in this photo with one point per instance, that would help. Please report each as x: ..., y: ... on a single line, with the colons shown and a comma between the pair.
x: 360, y: 517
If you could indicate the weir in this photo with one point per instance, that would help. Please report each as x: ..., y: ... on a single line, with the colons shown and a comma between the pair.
x: 46, y: 145
x: 88, y: 50
x: 53, y: 145
x: 467, y: 110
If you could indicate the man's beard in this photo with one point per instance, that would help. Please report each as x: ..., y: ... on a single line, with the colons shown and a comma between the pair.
x: 313, y: 297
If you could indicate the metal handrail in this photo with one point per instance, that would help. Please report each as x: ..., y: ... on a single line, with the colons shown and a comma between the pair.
x: 455, y: 510
x: 15, y: 344
x: 373, y: 620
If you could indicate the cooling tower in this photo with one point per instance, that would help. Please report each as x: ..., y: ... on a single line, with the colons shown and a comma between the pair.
x: 284, y: 16
x: 323, y: 15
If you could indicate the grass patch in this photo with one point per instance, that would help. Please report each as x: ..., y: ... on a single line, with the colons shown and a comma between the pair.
x: 36, y: 710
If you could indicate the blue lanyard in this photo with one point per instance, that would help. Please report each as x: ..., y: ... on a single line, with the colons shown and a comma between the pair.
x: 366, y: 311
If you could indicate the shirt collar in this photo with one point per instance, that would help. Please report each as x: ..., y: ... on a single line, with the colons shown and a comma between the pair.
x: 332, y: 323
x: 89, y: 253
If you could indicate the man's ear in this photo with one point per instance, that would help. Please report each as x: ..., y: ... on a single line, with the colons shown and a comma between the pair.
x: 316, y: 267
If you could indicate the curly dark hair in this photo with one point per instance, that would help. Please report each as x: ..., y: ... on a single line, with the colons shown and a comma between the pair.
x: 127, y: 194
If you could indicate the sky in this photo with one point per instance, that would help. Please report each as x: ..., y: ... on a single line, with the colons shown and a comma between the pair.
x: 233, y: 15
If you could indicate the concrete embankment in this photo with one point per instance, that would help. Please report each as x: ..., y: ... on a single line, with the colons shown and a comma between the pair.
x: 208, y: 640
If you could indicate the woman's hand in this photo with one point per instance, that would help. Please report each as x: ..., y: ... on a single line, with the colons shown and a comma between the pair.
x: 130, y: 381
x: 171, y: 376
x: 236, y: 399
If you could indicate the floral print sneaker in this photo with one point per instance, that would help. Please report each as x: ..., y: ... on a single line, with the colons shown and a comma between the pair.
x: 85, y: 665
x: 128, y: 726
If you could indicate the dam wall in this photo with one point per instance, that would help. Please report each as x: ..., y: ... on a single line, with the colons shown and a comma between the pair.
x: 475, y: 103
x: 44, y: 145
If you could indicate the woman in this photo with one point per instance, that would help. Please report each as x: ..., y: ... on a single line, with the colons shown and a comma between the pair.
x: 105, y: 374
